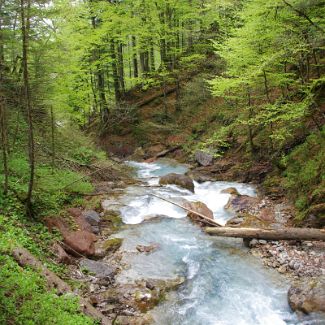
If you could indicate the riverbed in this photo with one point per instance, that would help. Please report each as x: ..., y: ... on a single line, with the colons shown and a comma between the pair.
x: 224, y: 284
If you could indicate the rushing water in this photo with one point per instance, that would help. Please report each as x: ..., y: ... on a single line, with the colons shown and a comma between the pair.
x: 224, y: 284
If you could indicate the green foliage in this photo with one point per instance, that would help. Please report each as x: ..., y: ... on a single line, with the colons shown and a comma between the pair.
x: 305, y: 170
x: 268, y: 71
x: 23, y: 292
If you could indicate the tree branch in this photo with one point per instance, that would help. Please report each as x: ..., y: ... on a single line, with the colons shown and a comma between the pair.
x: 302, y: 14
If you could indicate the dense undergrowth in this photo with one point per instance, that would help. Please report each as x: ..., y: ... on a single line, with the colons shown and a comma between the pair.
x: 59, y: 182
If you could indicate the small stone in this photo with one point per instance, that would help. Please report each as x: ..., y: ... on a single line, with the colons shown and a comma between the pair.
x: 150, y: 285
x: 262, y: 242
x: 282, y: 269
x: 253, y: 243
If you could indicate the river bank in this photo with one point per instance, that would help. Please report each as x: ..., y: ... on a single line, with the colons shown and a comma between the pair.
x: 137, y: 271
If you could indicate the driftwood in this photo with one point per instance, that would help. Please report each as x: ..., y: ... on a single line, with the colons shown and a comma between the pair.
x: 269, y: 234
x: 206, y: 219
x: 25, y: 258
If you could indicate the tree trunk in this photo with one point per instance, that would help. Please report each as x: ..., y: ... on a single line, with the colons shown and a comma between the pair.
x: 25, y: 27
x: 269, y: 234
x: 4, y: 141
x: 121, y: 68
x: 250, y: 130
x: 115, y: 73
x: 135, y: 58
x: 53, y: 139
x: 152, y: 57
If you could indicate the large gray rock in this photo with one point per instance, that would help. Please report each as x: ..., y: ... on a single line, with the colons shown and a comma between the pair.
x: 203, y: 158
x: 93, y: 218
x: 308, y: 296
x: 98, y: 269
x: 178, y: 179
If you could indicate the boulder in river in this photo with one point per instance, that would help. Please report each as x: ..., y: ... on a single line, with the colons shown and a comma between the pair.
x: 200, y: 208
x: 203, y: 158
x: 230, y: 190
x: 308, y: 296
x: 178, y: 179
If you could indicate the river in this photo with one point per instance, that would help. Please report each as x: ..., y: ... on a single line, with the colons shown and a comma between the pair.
x: 224, y: 283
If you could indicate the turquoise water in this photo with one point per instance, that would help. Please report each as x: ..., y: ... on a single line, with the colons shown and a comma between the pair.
x: 224, y: 284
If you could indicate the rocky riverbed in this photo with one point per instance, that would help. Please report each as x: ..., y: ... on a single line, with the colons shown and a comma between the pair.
x: 161, y: 259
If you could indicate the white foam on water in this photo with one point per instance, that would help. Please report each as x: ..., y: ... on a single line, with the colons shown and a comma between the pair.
x: 224, y: 284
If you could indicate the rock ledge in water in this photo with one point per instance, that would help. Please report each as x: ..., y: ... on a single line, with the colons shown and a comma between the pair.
x: 178, y: 179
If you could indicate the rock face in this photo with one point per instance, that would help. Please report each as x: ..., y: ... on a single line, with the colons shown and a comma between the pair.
x: 203, y: 158
x: 178, y: 179
x: 308, y: 296
x: 200, y: 208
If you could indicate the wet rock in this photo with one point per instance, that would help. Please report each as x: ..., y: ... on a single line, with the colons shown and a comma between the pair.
x: 147, y: 249
x: 200, y: 208
x: 137, y: 320
x: 113, y: 244
x: 230, y: 190
x: 108, y: 247
x: 178, y: 179
x: 98, y: 269
x: 241, y: 202
x: 308, y: 296
x: 203, y: 158
x: 150, y: 285
x: 235, y: 221
x: 253, y: 243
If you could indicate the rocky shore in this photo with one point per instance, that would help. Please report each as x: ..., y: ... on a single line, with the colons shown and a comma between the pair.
x: 95, y: 258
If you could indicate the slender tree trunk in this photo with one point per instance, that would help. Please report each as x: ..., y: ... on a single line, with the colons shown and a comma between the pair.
x: 165, y: 99
x: 178, y: 88
x: 3, y: 112
x: 250, y: 131
x: 266, y: 86
x: 316, y: 63
x: 135, y: 58
x: 4, y: 142
x: 115, y: 73
x: 25, y: 27
x: 53, y: 138
x: 152, y: 56
x: 121, y: 68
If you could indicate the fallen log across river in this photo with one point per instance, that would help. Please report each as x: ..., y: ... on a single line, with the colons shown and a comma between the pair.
x: 311, y: 234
